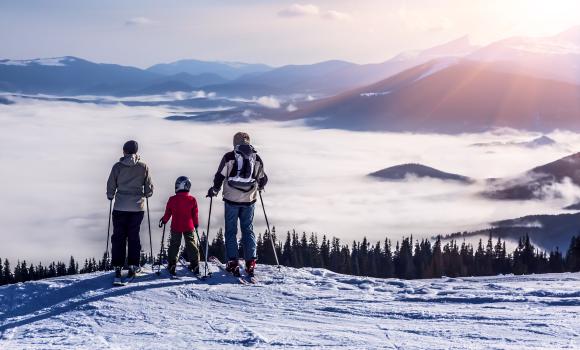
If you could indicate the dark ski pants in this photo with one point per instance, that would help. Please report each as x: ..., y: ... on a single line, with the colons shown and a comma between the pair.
x: 245, y: 214
x: 191, y: 250
x: 126, y: 227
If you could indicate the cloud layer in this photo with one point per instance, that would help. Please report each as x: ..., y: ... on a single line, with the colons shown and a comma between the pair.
x: 138, y: 21
x: 310, y: 10
x: 56, y: 157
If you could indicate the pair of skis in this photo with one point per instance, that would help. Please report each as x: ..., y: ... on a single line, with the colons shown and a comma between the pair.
x: 244, y: 279
x: 125, y: 279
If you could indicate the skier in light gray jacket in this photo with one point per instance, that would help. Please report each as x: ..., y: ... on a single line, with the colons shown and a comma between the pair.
x: 129, y: 183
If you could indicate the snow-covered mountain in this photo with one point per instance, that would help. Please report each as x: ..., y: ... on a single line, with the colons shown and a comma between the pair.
x: 74, y: 76
x: 228, y: 70
x: 334, y: 76
x: 426, y: 98
x: 555, y: 57
x: 295, y: 308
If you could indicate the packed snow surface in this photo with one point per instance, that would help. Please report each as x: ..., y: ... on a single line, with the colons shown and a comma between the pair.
x: 292, y: 308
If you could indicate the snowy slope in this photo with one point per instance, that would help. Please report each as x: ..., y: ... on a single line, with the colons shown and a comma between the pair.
x: 297, y: 308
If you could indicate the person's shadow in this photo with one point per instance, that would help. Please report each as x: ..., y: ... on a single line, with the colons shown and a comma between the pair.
x: 48, y: 303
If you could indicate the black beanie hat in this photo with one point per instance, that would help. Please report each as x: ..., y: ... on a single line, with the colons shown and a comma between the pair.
x: 130, y: 147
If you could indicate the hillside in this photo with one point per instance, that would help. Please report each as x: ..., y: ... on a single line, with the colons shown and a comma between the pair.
x: 403, y: 171
x: 538, y: 182
x: 298, y: 308
x: 545, y: 231
x: 447, y: 97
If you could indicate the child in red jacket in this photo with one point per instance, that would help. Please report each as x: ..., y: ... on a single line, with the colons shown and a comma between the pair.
x: 183, y: 208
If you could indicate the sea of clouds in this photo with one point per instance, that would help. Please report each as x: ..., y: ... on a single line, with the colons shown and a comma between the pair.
x: 56, y: 156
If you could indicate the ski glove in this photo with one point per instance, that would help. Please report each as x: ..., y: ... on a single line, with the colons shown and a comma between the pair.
x: 161, y: 223
x: 211, y: 192
x: 262, y: 183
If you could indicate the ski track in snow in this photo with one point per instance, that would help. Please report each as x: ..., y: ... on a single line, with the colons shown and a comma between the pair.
x: 294, y: 308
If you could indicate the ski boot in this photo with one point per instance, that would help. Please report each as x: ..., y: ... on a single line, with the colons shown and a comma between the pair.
x: 118, y: 276
x: 171, y: 268
x: 133, y: 271
x: 233, y: 267
x: 250, y: 267
x: 194, y: 269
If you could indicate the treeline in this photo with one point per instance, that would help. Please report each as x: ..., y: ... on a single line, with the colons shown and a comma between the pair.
x: 407, y: 259
x: 411, y: 259
x: 24, y: 272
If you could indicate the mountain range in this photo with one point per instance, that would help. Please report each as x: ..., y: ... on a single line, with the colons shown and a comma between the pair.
x: 456, y: 87
x: 70, y: 75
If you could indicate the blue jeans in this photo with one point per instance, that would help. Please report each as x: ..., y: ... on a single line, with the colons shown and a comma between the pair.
x: 245, y: 213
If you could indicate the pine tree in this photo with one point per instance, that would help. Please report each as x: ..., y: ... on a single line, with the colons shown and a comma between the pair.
x: 325, y: 252
x: 286, y: 256
x: 72, y: 267
x: 437, y: 266
x: 386, y: 268
x: 304, y: 251
x: 336, y: 259
x: 314, y: 251
x: 218, y: 246
x: 404, y: 261
x: 453, y: 267
x: 60, y: 269
x: 479, y: 260
x: 573, y: 255
x: 24, y: 275
x: 354, y: 259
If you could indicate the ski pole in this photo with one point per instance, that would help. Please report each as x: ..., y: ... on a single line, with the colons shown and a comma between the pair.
x: 207, y: 235
x: 149, y: 225
x: 108, y: 234
x: 269, y: 232
x: 161, y: 251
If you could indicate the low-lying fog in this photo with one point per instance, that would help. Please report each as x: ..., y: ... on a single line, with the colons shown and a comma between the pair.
x: 56, y: 156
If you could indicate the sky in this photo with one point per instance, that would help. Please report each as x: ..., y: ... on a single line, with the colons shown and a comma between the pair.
x: 145, y: 32
x: 56, y: 157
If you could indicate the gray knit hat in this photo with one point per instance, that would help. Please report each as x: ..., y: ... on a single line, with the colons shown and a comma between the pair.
x: 241, y: 138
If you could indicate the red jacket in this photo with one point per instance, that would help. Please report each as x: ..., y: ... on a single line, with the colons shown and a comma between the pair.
x: 183, y: 208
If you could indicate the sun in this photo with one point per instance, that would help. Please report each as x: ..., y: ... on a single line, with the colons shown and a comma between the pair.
x: 543, y: 17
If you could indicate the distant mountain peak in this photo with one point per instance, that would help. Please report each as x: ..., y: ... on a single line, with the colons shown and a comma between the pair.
x: 48, y: 61
x: 571, y: 34
x: 404, y: 171
x: 459, y: 46
x: 226, y: 69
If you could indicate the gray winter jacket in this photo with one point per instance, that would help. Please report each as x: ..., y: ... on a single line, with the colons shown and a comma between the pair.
x: 129, y: 183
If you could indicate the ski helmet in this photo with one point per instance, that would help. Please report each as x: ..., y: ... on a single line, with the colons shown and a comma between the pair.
x: 182, y: 184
